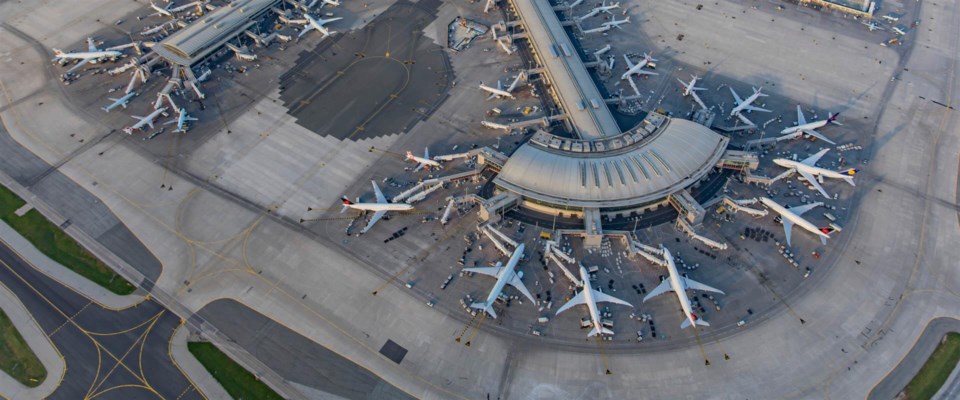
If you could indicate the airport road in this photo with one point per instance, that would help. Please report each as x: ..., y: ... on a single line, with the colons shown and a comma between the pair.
x: 911, y: 364
x: 109, y: 354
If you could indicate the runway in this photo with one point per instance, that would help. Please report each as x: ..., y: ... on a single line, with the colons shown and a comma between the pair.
x: 109, y: 354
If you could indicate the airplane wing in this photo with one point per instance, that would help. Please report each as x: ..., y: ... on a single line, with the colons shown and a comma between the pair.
x: 814, y: 158
x: 373, y: 220
x: 799, y: 210
x: 735, y: 96
x: 817, y: 135
x: 80, y: 64
x: 692, y: 284
x: 376, y: 190
x: 306, y: 28
x: 601, y: 297
x: 800, y: 119
x: 575, y: 301
x: 753, y: 108
x: 813, y: 181
x: 662, y: 288
x: 426, y: 153
x: 150, y: 123
x: 488, y: 271
x: 629, y: 63
x: 419, y: 167
x: 518, y: 284
x: 745, y: 119
x: 787, y: 228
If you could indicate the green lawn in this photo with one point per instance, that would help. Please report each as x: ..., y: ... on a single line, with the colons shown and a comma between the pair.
x: 238, y: 382
x: 50, y: 240
x: 16, y: 358
x: 936, y: 370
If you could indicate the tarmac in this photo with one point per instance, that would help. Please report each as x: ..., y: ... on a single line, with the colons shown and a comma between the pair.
x: 227, y: 229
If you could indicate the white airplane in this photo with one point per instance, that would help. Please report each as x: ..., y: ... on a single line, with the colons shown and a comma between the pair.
x: 165, y: 10
x: 379, y: 208
x: 334, y: 3
x: 144, y: 121
x: 605, y: 8
x: 809, y: 127
x: 591, y: 297
x: 614, y: 23
x: 814, y: 174
x: 505, y: 276
x: 691, y: 89
x: 424, y: 161
x: 745, y: 105
x: 318, y: 23
x: 638, y: 67
x: 872, y: 26
x: 679, y: 285
x: 92, y: 55
x: 121, y: 102
x: 181, y: 121
x: 499, y: 91
x: 792, y: 216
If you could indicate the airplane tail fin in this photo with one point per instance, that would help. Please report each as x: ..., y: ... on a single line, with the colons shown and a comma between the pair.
x: 57, y: 52
x: 346, y: 202
x: 828, y: 230
x: 833, y: 119
x: 409, y: 155
x: 848, y: 175
x: 595, y: 331
x: 485, y: 307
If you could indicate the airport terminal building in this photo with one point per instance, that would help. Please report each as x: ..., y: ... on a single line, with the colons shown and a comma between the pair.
x: 615, y: 176
x: 195, y: 43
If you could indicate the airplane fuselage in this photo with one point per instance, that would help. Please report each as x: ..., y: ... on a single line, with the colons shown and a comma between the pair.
x: 632, y: 70
x: 810, y: 169
x: 88, y: 54
x: 119, y: 102
x: 736, y: 110
x: 678, y: 288
x: 796, y: 219
x: 380, y: 206
x: 424, y: 161
x: 505, y: 275
x: 495, y: 91
x: 591, y: 303
x: 807, y: 126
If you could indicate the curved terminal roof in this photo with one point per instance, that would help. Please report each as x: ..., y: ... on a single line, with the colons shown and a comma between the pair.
x: 207, y: 34
x: 658, y: 158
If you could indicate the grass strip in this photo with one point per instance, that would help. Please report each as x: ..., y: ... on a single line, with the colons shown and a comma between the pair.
x: 237, y: 381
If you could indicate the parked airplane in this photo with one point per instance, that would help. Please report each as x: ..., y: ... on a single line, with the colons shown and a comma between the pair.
x: 144, y: 121
x: 872, y: 26
x: 379, y: 208
x: 605, y: 8
x: 745, y: 105
x: 92, y: 55
x: 499, y: 91
x: 181, y: 121
x: 614, y: 23
x: 164, y: 11
x: 638, y: 67
x: 691, y: 89
x: 318, y: 24
x: 334, y: 3
x: 121, y: 102
x: 809, y: 127
x: 679, y: 285
x: 591, y: 297
x: 424, y: 161
x: 505, y: 276
x: 792, y: 215
x: 814, y: 174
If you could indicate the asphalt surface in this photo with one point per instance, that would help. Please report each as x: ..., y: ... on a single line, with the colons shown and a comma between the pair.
x: 900, y: 376
x: 71, y: 200
x: 295, y: 357
x: 388, y: 75
x: 109, y: 354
